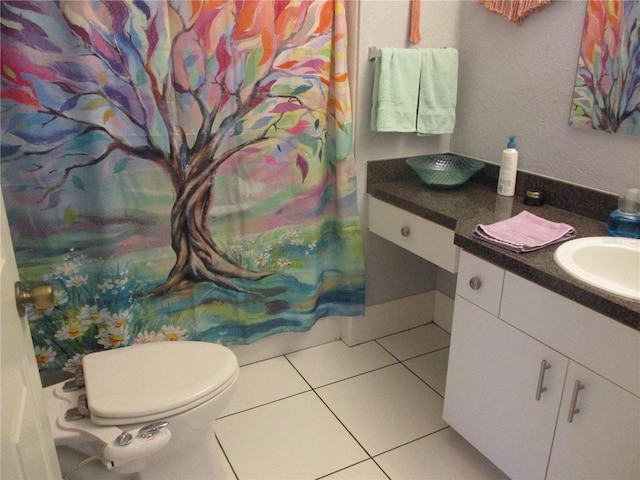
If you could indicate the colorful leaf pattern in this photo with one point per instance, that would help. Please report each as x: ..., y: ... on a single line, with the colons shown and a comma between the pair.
x: 180, y: 166
x: 607, y: 88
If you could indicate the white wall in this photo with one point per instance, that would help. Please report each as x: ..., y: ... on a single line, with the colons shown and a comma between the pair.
x: 392, y: 272
x: 385, y: 23
x: 513, y: 79
x: 519, y: 79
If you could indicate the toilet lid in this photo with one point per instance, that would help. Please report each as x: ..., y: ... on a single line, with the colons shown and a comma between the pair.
x: 152, y: 379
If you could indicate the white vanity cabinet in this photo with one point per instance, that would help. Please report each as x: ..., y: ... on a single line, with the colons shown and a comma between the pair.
x: 426, y: 239
x: 517, y: 351
x: 602, y: 441
x: 490, y: 396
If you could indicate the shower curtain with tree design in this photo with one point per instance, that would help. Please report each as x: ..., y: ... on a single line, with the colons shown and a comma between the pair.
x: 179, y: 169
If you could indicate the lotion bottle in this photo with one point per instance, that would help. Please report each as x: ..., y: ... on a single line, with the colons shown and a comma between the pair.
x: 508, y: 169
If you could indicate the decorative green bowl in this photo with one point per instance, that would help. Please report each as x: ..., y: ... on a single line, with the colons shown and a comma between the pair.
x: 444, y: 170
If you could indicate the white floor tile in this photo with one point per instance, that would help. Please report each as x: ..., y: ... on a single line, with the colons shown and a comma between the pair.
x: 385, y: 408
x: 294, y: 438
x: 227, y: 471
x: 336, y: 361
x: 443, y: 455
x: 265, y: 382
x: 417, y: 341
x: 432, y: 368
x: 362, y: 471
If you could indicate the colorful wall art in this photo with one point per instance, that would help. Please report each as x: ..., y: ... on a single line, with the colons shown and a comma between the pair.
x: 607, y: 88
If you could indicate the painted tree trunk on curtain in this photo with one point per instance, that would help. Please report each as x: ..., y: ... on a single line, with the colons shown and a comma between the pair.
x: 179, y: 169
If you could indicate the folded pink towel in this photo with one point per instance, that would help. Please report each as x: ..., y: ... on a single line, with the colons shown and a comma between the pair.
x: 524, y: 232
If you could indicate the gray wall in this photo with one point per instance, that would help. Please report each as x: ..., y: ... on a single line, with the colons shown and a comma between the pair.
x: 392, y: 272
x: 519, y: 79
x: 513, y: 79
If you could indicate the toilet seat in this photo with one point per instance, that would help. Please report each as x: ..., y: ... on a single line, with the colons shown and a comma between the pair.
x: 153, y: 381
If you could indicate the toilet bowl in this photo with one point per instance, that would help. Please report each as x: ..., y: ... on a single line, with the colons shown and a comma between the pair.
x: 147, y: 409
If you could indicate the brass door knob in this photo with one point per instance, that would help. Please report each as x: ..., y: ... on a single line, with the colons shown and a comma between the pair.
x: 41, y: 296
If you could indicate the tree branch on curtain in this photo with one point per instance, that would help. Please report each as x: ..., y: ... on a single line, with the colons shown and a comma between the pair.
x: 243, y: 106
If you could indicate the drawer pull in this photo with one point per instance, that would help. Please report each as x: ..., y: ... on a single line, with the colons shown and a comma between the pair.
x: 574, y: 400
x: 544, y: 366
x: 405, y: 231
x: 475, y: 283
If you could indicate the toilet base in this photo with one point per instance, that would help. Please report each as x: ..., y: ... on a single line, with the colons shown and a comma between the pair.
x: 198, y: 457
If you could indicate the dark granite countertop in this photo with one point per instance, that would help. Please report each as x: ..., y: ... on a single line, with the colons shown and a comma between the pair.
x: 461, y: 209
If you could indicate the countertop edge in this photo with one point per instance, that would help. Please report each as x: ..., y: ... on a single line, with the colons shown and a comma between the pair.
x: 581, y: 294
x: 543, y: 271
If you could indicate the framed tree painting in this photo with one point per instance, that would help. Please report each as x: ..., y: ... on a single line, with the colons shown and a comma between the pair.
x: 607, y: 88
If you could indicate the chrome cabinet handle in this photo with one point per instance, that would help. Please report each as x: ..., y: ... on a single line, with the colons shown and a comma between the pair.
x: 574, y: 400
x: 405, y: 231
x: 544, y: 366
x: 475, y: 283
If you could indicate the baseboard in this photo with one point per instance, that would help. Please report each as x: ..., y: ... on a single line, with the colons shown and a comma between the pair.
x: 390, y: 317
x: 378, y: 321
x: 324, y: 331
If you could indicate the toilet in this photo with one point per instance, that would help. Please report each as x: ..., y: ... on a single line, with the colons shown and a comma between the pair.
x: 147, y: 409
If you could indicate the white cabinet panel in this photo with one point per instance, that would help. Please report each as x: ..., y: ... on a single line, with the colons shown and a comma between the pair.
x: 591, y: 339
x: 426, y: 239
x: 494, y: 363
x: 480, y: 282
x: 603, y: 439
x: 490, y: 396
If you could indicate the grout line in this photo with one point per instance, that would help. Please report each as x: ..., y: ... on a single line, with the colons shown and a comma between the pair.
x: 233, y: 470
x: 345, y: 427
x: 387, y: 350
x: 381, y: 469
x: 423, y: 381
x: 353, y: 465
x: 264, y: 404
x: 410, y: 442
x: 332, y: 412
x: 298, y: 372
x: 356, y: 375
x: 346, y: 378
x: 314, y: 390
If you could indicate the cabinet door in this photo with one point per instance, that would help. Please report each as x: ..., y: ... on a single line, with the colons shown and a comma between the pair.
x: 490, y: 396
x: 603, y: 438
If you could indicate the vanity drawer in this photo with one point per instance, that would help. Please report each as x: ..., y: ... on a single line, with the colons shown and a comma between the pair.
x: 426, y: 239
x: 480, y: 282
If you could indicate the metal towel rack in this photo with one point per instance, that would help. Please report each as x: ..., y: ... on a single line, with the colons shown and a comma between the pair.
x: 375, y: 52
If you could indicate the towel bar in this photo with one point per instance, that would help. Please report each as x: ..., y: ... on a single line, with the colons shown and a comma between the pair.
x: 375, y: 52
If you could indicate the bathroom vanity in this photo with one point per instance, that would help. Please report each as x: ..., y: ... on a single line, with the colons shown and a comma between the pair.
x: 544, y: 371
x: 537, y: 380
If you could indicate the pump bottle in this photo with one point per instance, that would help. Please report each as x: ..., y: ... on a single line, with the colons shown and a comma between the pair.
x: 508, y: 169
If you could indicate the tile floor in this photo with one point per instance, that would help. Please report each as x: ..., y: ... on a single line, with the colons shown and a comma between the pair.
x: 373, y: 411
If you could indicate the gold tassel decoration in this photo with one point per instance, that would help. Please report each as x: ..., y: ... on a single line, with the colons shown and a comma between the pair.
x: 514, y: 10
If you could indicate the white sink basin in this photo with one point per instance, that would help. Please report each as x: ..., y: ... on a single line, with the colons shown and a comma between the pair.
x: 609, y: 263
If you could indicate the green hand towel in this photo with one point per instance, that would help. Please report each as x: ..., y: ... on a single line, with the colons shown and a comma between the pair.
x: 438, y: 91
x: 396, y: 87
